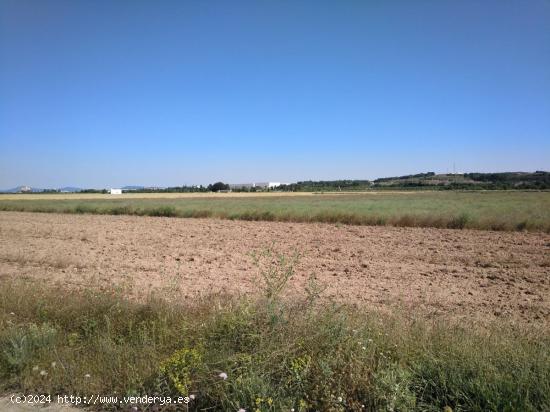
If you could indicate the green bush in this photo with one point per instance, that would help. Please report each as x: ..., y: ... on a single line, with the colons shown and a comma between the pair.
x: 458, y: 222
x: 19, y: 345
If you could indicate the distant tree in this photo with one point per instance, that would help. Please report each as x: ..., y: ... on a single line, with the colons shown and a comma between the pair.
x: 216, y: 187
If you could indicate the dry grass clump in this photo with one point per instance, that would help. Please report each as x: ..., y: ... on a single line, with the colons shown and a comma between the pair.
x: 268, y: 354
x: 56, y: 262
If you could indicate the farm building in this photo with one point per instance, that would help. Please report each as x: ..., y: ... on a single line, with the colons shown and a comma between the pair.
x: 116, y: 191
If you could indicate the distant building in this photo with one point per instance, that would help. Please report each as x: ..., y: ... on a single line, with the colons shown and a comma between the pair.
x: 116, y: 191
x: 270, y: 185
x: 241, y: 186
x: 25, y: 189
x: 259, y: 185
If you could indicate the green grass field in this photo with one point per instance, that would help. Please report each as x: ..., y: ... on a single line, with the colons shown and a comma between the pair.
x: 267, y: 354
x: 505, y: 210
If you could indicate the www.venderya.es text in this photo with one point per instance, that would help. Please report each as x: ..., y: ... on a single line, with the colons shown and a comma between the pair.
x: 96, y: 399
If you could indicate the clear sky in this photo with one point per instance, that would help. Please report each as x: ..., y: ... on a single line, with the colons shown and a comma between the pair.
x: 109, y: 93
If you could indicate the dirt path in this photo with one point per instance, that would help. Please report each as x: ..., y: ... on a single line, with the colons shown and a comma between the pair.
x: 472, y: 274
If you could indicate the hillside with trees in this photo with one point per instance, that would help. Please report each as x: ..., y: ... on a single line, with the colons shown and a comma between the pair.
x: 539, y: 180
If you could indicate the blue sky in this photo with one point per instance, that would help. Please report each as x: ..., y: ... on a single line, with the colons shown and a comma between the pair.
x: 108, y: 93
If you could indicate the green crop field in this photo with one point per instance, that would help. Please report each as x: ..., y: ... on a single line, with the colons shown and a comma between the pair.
x: 502, y: 210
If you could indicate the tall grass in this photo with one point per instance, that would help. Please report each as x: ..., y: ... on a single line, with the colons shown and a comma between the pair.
x: 478, y: 210
x: 276, y: 354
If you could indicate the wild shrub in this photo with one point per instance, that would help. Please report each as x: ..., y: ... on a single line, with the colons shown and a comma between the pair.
x: 179, y: 371
x: 166, y: 211
x: 19, y: 345
x: 120, y: 210
x: 458, y: 222
x: 275, y: 270
x: 521, y: 226
x: 82, y: 209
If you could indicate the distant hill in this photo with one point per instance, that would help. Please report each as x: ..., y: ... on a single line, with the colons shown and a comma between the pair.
x: 65, y: 189
x: 539, y: 180
x: 19, y: 189
x: 14, y: 190
x: 505, y: 180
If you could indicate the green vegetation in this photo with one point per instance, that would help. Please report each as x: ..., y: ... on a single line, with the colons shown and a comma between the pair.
x: 476, y: 210
x: 268, y: 354
x: 216, y: 187
x: 326, y: 185
x: 468, y: 181
x: 539, y: 180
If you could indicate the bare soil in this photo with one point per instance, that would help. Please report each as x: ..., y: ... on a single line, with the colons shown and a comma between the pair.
x: 460, y: 274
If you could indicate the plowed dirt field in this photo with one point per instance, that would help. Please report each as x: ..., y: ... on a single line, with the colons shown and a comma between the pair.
x: 456, y: 273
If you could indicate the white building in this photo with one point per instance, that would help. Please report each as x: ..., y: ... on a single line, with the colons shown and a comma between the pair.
x: 116, y: 191
x: 257, y: 185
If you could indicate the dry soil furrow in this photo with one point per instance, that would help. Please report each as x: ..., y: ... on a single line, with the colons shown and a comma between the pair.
x: 457, y: 273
